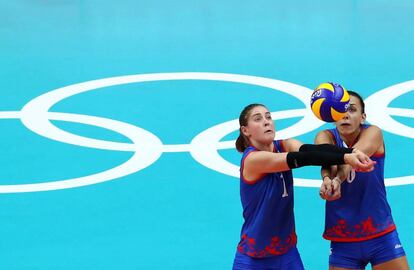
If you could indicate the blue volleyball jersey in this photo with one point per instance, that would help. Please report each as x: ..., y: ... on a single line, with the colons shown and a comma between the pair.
x: 362, y: 212
x: 269, y: 224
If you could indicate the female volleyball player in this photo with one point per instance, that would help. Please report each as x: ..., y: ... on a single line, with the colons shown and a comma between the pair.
x: 268, y: 238
x: 358, y: 219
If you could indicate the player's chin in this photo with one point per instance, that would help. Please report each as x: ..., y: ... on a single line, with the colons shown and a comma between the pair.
x: 269, y: 136
x: 346, y: 129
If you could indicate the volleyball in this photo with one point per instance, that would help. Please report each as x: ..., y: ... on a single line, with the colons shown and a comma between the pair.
x: 329, y: 102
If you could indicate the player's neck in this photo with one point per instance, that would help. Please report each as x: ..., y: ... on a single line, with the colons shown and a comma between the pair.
x: 352, y: 138
x: 264, y: 147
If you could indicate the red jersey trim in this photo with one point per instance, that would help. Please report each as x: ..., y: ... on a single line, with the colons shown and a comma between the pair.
x: 247, y: 245
x: 379, y: 155
x: 336, y: 239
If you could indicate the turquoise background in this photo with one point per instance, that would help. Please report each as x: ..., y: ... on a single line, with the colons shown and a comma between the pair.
x: 178, y: 214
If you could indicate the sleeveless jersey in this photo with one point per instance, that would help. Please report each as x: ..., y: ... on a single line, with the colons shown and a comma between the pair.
x: 269, y: 224
x: 362, y: 212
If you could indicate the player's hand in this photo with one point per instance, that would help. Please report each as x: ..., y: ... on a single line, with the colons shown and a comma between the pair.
x: 326, y: 188
x: 336, y: 189
x: 359, y: 161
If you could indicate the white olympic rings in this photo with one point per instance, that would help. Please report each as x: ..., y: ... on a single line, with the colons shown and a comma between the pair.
x: 147, y: 147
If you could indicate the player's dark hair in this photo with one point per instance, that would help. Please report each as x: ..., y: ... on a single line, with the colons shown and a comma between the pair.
x: 242, y: 142
x: 358, y: 96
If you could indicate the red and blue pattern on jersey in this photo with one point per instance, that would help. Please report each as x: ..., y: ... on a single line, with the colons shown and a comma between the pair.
x: 269, y: 224
x: 362, y: 212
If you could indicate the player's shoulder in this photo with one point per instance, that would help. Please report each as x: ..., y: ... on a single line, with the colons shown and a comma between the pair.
x: 324, y: 132
x: 372, y: 129
x: 324, y: 136
x: 291, y: 145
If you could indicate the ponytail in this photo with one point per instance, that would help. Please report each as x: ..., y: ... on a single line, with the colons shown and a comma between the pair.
x: 242, y: 142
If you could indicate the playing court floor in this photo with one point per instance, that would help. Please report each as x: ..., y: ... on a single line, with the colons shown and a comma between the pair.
x: 118, y: 121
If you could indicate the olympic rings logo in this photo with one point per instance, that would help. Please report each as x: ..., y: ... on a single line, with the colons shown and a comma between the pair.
x: 147, y: 147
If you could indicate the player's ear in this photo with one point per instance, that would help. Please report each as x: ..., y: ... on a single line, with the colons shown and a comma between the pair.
x: 244, y: 130
x: 363, y: 118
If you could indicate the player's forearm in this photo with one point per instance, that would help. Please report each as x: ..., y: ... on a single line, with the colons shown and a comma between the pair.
x: 343, y: 172
x: 326, y: 172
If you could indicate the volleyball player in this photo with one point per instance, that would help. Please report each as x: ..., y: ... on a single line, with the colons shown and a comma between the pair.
x: 358, y: 219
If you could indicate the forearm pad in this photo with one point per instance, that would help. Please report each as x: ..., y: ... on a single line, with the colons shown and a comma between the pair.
x: 300, y: 159
x: 326, y: 147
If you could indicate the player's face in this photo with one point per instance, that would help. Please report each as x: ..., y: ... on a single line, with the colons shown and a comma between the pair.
x: 353, y: 119
x: 260, y: 128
